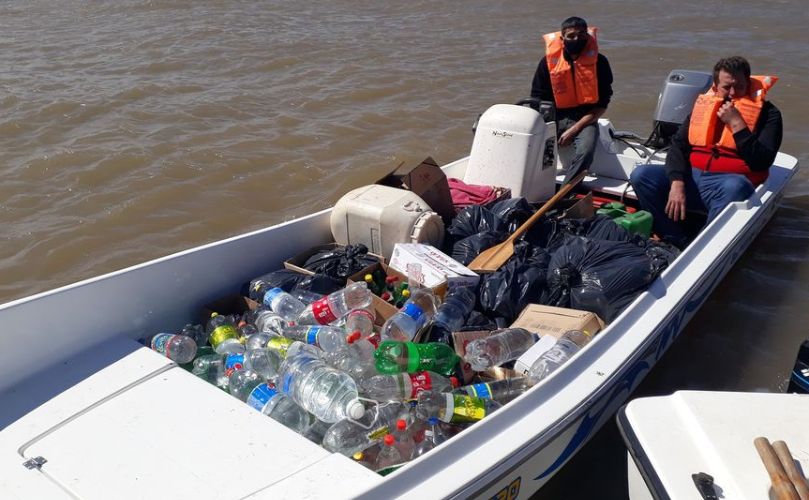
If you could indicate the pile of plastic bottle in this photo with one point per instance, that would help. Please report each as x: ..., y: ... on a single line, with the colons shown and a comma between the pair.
x: 320, y: 366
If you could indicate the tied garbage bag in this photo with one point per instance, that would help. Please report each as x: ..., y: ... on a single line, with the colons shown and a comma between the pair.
x: 291, y: 280
x: 340, y: 262
x: 600, y: 276
x: 521, y: 281
x: 473, y: 220
x: 465, y: 250
x: 598, y: 227
x: 512, y: 212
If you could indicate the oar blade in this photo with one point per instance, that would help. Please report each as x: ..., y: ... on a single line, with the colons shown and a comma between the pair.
x: 492, y: 259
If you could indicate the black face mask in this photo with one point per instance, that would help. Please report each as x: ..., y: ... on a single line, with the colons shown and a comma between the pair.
x: 573, y: 47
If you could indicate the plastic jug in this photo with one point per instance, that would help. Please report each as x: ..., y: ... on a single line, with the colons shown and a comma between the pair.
x: 639, y: 222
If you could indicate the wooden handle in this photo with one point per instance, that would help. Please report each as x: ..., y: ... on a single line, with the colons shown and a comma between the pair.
x: 785, y: 457
x: 547, y: 206
x: 780, y: 481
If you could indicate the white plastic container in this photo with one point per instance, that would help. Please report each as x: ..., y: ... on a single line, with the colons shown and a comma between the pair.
x: 381, y: 216
x: 514, y: 148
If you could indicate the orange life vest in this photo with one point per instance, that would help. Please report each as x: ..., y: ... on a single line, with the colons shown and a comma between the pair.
x: 721, y: 156
x: 570, y: 91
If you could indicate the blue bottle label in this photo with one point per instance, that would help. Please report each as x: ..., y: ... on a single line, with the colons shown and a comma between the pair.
x: 260, y: 396
x: 482, y: 391
x: 159, y: 342
x: 233, y: 362
x: 270, y: 295
x: 311, y: 335
x: 413, y: 311
x: 287, y: 383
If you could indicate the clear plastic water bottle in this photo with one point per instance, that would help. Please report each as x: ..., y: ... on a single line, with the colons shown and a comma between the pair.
x: 268, y: 321
x: 454, y: 408
x: 502, y: 391
x: 245, y: 329
x: 179, y: 348
x: 280, y: 302
x: 306, y: 296
x: 249, y: 387
x: 233, y: 362
x: 404, y: 439
x: 348, y: 437
x: 280, y: 345
x: 396, y: 357
x: 403, y: 386
x: 196, y: 332
x: 328, y: 338
x: 361, y: 320
x: 452, y: 314
x: 433, y: 436
x: 356, y: 359
x: 566, y: 346
x: 316, y: 431
x: 389, y: 455
x: 211, y: 368
x: 336, y: 305
x: 498, y: 348
x: 266, y: 362
x: 406, y: 323
x: 327, y: 393
x: 258, y: 340
x: 222, y: 334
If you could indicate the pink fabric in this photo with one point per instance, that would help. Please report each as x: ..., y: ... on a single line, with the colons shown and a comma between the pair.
x: 464, y: 195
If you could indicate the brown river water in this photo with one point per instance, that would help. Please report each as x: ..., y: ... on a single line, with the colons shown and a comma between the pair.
x: 131, y: 130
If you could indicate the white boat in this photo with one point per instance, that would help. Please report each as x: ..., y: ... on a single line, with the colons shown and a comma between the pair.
x: 88, y: 412
x: 670, y: 438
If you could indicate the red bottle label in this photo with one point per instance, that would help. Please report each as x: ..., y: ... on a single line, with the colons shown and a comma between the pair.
x: 322, y: 311
x: 420, y: 382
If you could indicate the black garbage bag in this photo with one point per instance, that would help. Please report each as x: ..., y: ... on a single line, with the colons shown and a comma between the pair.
x: 600, y: 276
x: 598, y: 227
x: 512, y: 212
x: 661, y: 255
x: 473, y: 220
x: 521, y: 281
x: 290, y: 280
x: 340, y: 262
x: 465, y: 250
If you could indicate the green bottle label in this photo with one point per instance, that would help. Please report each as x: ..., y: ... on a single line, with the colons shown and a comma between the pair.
x: 222, y: 333
x: 463, y: 409
x: 413, y: 357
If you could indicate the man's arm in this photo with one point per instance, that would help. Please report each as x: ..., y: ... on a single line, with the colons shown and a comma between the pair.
x: 677, y: 167
x: 541, y: 85
x: 758, y: 149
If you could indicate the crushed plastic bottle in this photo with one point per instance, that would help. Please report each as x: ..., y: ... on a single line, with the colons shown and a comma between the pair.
x: 502, y: 391
x: 433, y: 436
x: 396, y: 357
x: 403, y: 386
x: 452, y: 314
x: 250, y: 387
x: 348, y: 437
x: 454, y: 408
x: 566, y: 346
x: 498, y: 348
x: 222, y: 334
x: 327, y: 393
x: 416, y: 313
x: 179, y: 348
x: 336, y: 305
x: 328, y: 338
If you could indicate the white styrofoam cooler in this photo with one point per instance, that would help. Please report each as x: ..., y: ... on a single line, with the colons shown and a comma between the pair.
x: 514, y: 148
x: 382, y: 216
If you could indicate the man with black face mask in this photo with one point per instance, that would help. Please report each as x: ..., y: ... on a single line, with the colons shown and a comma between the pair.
x: 578, y: 80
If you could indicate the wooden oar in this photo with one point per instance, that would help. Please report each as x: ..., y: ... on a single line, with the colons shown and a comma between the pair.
x: 785, y: 457
x: 780, y: 481
x: 492, y: 258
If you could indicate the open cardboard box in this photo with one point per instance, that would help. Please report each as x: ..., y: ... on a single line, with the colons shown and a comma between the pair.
x: 549, y: 320
x: 428, y: 181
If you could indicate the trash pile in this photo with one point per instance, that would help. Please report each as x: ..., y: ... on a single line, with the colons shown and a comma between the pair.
x: 384, y: 358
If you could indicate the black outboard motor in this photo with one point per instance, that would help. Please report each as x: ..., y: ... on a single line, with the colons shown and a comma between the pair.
x: 675, y: 102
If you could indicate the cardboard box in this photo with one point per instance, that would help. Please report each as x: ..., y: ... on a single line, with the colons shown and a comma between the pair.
x: 426, y: 180
x: 296, y: 263
x: 554, y: 321
x: 437, y: 267
x: 230, y: 304
x: 524, y: 362
x: 382, y: 308
x: 582, y: 209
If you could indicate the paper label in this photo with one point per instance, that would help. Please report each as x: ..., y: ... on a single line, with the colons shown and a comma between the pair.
x: 322, y: 311
x: 160, y: 341
x: 420, y: 382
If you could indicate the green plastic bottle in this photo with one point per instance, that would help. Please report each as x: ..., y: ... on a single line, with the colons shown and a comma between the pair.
x: 395, y: 357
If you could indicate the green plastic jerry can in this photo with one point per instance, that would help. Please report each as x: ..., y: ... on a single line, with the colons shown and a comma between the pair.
x: 639, y: 222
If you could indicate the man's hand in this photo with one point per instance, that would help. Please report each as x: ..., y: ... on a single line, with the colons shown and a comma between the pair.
x: 675, y: 207
x: 731, y: 117
x: 568, y: 135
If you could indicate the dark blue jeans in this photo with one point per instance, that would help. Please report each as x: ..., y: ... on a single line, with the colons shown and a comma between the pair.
x: 704, y: 192
x: 584, y: 146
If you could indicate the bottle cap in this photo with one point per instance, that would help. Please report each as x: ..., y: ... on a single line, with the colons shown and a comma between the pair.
x: 355, y: 409
x: 353, y: 336
x: 214, y: 314
x: 401, y: 424
x: 389, y: 439
x: 358, y: 456
x: 368, y: 277
x: 433, y: 420
x: 406, y: 292
x: 454, y: 381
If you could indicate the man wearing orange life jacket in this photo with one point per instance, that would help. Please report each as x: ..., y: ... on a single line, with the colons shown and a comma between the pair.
x: 721, y: 152
x: 578, y: 80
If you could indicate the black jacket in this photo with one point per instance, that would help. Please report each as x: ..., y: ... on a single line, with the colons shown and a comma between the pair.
x: 541, y: 87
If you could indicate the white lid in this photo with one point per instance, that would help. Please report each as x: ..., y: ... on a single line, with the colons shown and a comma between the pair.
x: 428, y: 228
x: 355, y: 409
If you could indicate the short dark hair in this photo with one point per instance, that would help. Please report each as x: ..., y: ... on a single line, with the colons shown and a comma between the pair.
x: 735, y: 65
x: 574, y: 22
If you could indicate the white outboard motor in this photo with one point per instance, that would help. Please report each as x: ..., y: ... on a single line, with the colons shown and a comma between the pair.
x: 514, y: 148
x: 676, y: 99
